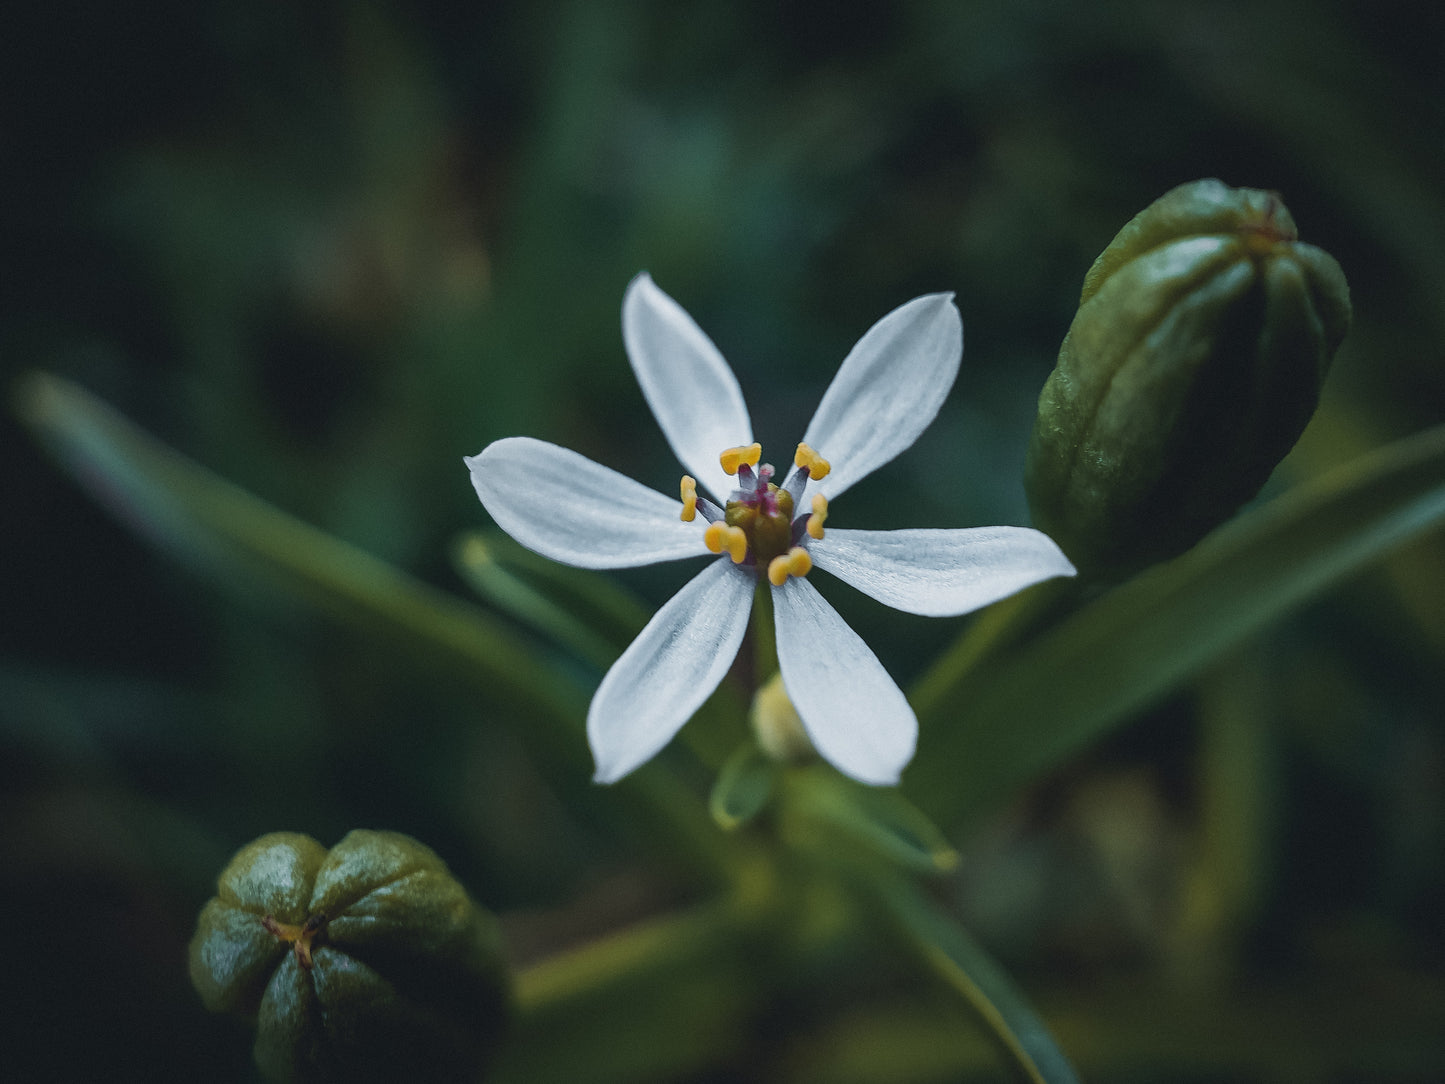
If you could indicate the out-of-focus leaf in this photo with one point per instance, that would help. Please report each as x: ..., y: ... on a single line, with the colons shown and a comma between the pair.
x: 1304, y: 1028
x: 879, y: 819
x: 587, y: 613
x: 657, y: 1001
x: 1236, y: 852
x: 206, y: 520
x: 210, y: 522
x: 962, y: 964
x: 743, y: 787
x: 991, y: 729
x: 501, y: 571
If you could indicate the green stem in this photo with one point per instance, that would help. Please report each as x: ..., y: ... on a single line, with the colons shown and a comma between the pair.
x: 660, y: 1000
x: 641, y: 952
x: 765, y: 642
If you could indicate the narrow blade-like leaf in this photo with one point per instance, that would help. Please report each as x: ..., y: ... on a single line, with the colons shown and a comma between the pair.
x: 990, y: 729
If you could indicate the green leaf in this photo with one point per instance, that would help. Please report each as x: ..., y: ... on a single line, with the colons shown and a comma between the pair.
x: 208, y: 521
x: 990, y: 729
x: 879, y: 819
x: 492, y: 565
x: 743, y: 787
x: 601, y: 603
x: 954, y: 956
x: 237, y: 538
x: 660, y: 1000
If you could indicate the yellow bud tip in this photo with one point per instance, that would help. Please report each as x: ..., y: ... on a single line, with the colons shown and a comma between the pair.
x: 713, y: 537
x: 733, y: 458
x: 778, y: 570
x: 737, y: 544
x: 689, y: 498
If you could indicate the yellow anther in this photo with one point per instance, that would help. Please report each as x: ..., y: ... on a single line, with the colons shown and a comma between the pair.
x: 737, y: 544
x: 818, y: 467
x: 719, y: 537
x: 735, y: 457
x: 689, y: 498
x: 819, y: 516
x: 800, y: 561
x: 796, y: 562
x: 778, y: 570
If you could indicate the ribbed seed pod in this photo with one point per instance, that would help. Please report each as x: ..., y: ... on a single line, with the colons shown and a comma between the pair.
x: 1196, y: 358
x: 365, y: 963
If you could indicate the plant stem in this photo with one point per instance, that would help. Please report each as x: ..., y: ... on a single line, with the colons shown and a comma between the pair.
x: 765, y: 643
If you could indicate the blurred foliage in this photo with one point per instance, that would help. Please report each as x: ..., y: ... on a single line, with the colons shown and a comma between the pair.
x: 326, y: 250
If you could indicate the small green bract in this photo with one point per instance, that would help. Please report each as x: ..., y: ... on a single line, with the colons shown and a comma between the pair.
x: 365, y: 962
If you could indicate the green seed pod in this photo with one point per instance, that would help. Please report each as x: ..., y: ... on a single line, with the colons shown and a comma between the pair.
x: 365, y: 963
x: 1203, y: 335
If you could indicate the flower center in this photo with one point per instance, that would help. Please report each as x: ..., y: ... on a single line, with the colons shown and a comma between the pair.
x: 757, y: 526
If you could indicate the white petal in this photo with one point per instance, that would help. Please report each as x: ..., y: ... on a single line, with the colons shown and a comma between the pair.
x: 940, y: 573
x: 670, y: 669
x: 568, y: 508
x: 888, y: 390
x: 692, y: 392
x: 855, y: 714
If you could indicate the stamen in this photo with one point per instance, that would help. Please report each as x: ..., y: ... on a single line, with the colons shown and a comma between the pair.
x: 689, y: 498
x: 710, y: 512
x: 800, y: 561
x: 778, y: 570
x: 719, y: 537
x: 819, y: 516
x: 737, y: 544
x: 734, y: 457
x: 809, y: 460
x: 796, y: 562
x: 796, y: 483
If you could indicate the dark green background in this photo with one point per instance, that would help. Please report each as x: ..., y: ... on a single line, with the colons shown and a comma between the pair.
x: 327, y: 250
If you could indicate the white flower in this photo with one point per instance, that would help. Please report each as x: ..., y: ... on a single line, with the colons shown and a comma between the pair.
x: 888, y: 390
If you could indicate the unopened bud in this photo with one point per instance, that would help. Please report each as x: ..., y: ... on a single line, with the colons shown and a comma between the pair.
x: 1203, y: 335
x: 776, y: 723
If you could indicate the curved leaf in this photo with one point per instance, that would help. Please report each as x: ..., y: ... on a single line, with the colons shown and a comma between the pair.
x: 962, y: 964
x: 990, y: 729
x: 209, y: 522
x: 743, y: 787
x: 206, y: 520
